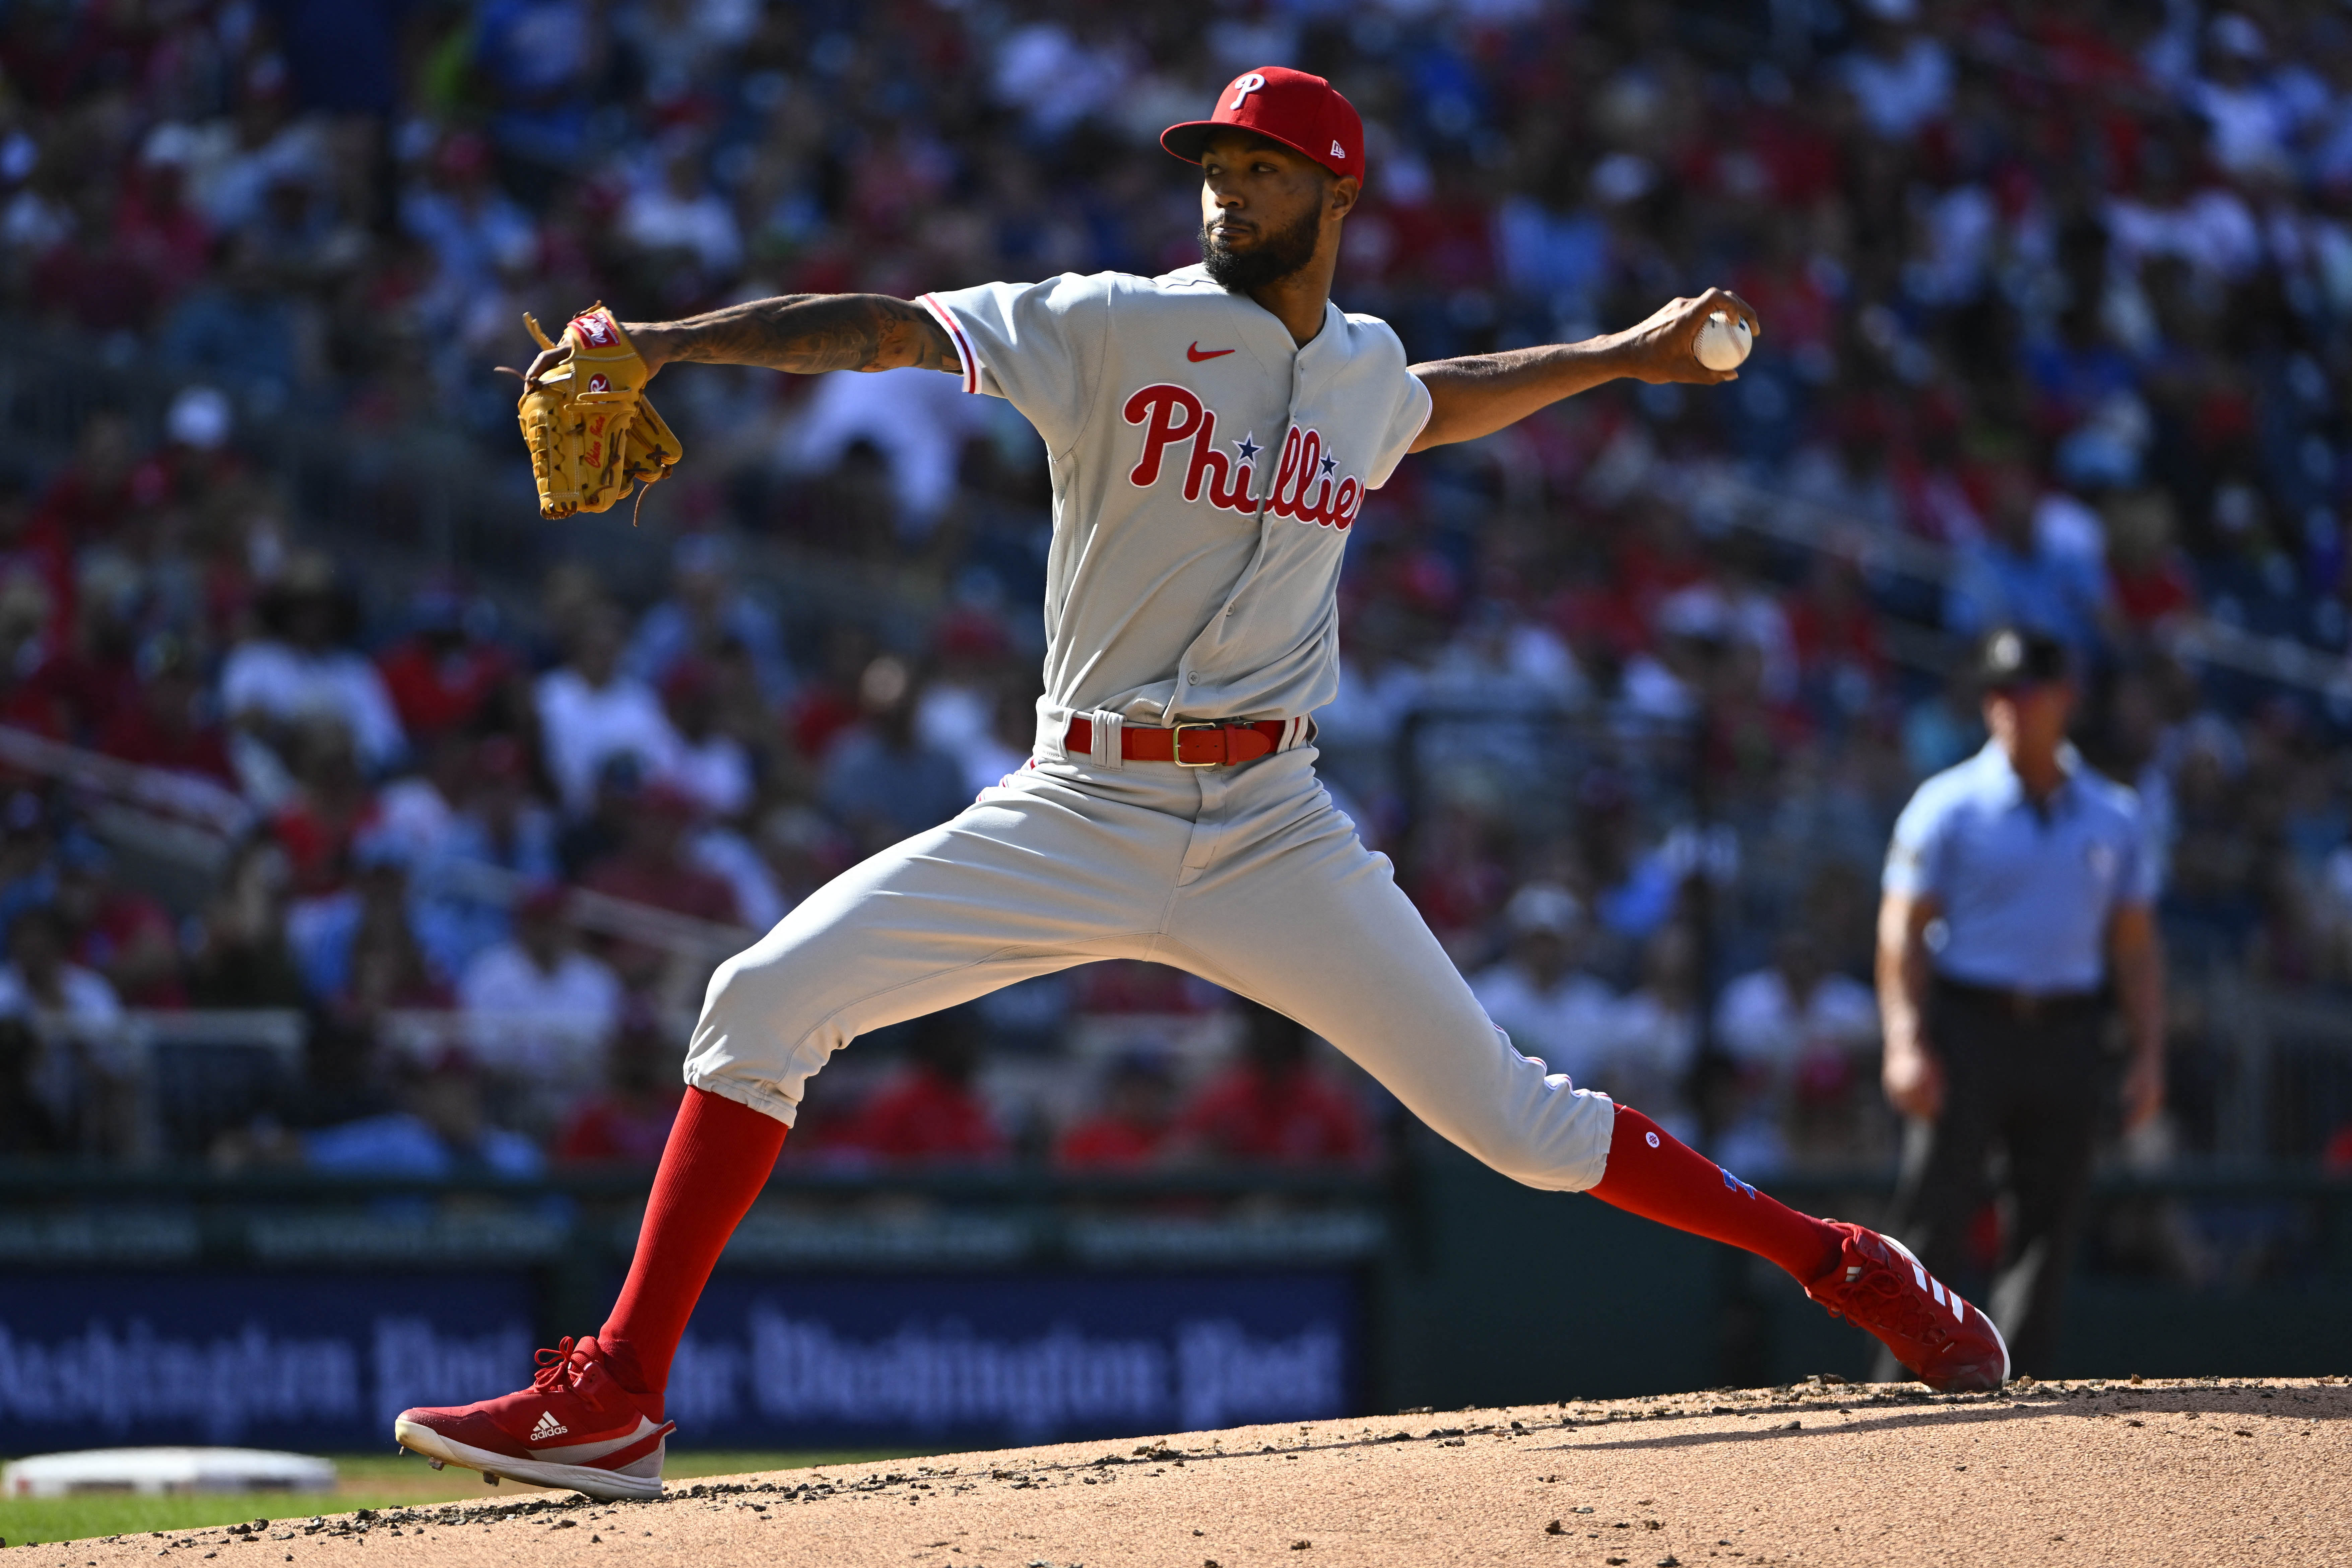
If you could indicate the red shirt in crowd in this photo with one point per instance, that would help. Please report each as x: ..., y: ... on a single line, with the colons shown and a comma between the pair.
x: 136, y: 735
x: 1110, y: 1143
x: 2149, y: 593
x: 673, y: 886
x: 94, y: 689
x: 125, y: 922
x: 317, y: 841
x: 438, y: 690
x: 1295, y: 1118
x: 924, y: 1116
x: 616, y: 1128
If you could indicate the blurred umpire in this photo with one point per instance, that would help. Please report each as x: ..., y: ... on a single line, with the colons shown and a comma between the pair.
x: 2018, y: 914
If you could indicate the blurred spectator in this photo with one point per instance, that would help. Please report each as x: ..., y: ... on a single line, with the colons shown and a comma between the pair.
x: 1799, y: 1034
x: 165, y: 237
x: 170, y: 722
x: 2152, y: 583
x: 1901, y: 77
x: 1538, y: 994
x: 720, y: 850
x: 102, y: 490
x: 958, y: 705
x: 707, y: 608
x: 80, y: 1069
x: 117, y: 932
x: 330, y: 805
x: 630, y: 1121
x: 931, y: 1110
x: 679, y: 220
x: 470, y: 227
x: 239, y: 331
x: 416, y: 814
x: 537, y: 1006
x: 585, y: 842
x: 356, y: 946
x: 29, y: 1128
x: 590, y: 712
x: 917, y: 420
x: 1273, y: 1106
x: 882, y: 780
x: 651, y: 865
x: 241, y: 958
x: 1655, y: 1044
x: 1500, y: 659
x: 441, y: 1130
x: 39, y: 982
x: 447, y: 670
x: 497, y: 825
x: 2013, y: 576
x: 1130, y: 1131
x: 710, y: 766
x: 300, y: 669
x: 803, y: 851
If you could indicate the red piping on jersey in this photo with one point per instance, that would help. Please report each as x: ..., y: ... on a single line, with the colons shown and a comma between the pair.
x: 964, y: 356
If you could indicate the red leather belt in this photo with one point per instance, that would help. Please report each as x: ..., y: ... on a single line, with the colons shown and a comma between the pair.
x: 1186, y: 745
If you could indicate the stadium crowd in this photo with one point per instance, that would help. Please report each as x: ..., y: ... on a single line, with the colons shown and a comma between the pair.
x: 2058, y: 302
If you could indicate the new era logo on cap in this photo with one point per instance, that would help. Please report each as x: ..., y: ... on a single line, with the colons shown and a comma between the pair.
x: 1303, y: 112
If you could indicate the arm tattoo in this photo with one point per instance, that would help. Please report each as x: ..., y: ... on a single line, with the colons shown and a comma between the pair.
x: 808, y: 333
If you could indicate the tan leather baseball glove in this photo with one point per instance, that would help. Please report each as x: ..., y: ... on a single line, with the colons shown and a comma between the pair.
x: 591, y: 433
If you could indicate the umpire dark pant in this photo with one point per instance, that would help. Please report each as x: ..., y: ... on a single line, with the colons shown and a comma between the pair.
x: 2027, y: 1079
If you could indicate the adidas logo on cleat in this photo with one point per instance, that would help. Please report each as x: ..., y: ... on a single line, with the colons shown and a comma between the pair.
x: 549, y: 1427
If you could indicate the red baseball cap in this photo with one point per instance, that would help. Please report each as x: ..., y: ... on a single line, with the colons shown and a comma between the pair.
x: 1305, y: 114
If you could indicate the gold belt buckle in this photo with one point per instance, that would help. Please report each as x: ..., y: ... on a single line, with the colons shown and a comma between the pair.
x: 1177, y: 744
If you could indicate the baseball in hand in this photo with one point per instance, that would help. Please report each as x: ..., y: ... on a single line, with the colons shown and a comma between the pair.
x: 1723, y: 341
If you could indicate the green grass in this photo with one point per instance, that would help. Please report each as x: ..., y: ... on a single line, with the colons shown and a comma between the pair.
x: 370, y: 1480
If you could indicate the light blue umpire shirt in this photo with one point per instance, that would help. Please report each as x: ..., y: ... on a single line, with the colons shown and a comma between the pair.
x: 2026, y: 892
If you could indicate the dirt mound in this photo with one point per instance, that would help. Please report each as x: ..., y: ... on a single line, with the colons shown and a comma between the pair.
x: 2200, y: 1473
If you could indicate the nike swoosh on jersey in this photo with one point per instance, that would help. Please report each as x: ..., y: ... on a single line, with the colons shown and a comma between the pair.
x: 1196, y: 356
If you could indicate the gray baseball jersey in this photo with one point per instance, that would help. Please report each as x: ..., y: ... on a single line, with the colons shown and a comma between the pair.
x: 1206, y: 470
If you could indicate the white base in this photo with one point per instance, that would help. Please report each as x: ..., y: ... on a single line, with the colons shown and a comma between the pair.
x: 638, y: 1480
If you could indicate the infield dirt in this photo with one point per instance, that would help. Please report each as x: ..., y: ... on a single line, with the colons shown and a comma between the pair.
x: 2159, y: 1473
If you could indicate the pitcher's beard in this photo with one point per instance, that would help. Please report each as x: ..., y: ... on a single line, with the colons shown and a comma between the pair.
x: 1276, y: 257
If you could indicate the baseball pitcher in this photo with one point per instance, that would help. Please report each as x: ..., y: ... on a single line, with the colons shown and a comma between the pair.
x: 1212, y: 435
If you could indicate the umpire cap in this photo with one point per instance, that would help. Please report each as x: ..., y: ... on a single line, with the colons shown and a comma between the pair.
x: 2013, y: 656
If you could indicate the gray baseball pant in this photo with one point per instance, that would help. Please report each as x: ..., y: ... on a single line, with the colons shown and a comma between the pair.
x: 1245, y: 876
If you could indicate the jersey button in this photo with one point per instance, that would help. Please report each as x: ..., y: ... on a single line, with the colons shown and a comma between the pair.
x: 1192, y: 680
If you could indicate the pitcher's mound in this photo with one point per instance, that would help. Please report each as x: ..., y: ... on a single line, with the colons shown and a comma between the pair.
x: 2159, y: 1473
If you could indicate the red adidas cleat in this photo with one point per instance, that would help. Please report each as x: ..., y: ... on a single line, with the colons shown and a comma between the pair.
x: 574, y: 1427
x: 1877, y: 1284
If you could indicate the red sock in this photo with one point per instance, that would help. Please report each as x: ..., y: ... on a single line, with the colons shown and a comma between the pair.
x: 1656, y: 1175
x: 717, y: 1160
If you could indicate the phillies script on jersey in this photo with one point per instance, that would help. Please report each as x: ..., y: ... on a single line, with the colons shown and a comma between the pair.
x: 1172, y: 416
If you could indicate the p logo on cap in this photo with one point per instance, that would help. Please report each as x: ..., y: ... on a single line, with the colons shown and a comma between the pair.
x: 1305, y: 114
